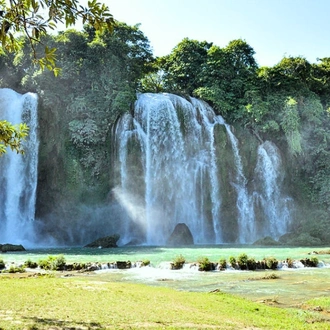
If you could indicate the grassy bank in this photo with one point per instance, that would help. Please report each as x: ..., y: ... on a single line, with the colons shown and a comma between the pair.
x: 41, y: 302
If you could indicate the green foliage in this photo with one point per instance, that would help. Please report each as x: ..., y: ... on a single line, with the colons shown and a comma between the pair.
x: 52, y: 263
x: 30, y: 264
x: 290, y: 124
x: 271, y: 262
x: 12, y: 136
x: 242, y: 260
x: 314, y: 261
x: 204, y: 264
x: 28, y: 17
x: 184, y: 66
x: 145, y: 263
x: 2, y: 264
x: 232, y: 261
x: 178, y: 262
x: 15, y: 269
x: 222, y: 264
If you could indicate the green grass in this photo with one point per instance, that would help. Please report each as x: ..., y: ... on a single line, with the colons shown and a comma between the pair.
x: 80, y: 303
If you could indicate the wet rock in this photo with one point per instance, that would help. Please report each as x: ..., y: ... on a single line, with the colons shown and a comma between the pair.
x: 266, y: 241
x: 11, y: 248
x: 181, y: 235
x: 105, y: 242
x: 123, y: 264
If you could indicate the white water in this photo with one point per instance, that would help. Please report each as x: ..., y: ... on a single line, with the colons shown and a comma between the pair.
x: 178, y: 165
x: 169, y: 174
x: 18, y: 173
x: 246, y: 219
x: 275, y: 206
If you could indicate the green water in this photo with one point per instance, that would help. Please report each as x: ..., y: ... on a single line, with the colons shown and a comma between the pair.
x: 293, y: 287
x: 156, y: 255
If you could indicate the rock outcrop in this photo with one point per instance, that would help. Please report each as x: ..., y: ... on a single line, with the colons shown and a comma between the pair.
x: 105, y: 242
x: 181, y: 235
x: 11, y: 248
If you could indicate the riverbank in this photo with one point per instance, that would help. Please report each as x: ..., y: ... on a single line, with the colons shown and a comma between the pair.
x: 89, y: 302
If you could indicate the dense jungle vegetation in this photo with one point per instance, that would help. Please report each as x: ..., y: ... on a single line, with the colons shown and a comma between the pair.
x: 101, y: 73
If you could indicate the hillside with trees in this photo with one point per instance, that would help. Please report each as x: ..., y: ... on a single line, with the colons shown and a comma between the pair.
x: 98, y: 76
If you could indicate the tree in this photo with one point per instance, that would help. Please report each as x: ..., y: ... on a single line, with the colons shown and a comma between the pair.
x: 34, y: 19
x: 183, y: 67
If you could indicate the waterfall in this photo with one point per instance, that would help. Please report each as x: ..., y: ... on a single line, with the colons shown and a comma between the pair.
x: 273, y: 205
x: 170, y: 170
x: 246, y: 224
x: 18, y: 173
x: 177, y: 161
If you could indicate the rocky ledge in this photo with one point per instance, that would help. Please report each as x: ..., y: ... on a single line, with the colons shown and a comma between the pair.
x: 11, y: 248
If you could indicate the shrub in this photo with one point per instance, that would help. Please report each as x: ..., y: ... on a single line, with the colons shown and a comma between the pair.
x: 222, y: 264
x: 178, y: 262
x: 15, y: 269
x: 242, y: 260
x: 232, y: 261
x: 53, y: 263
x: 314, y: 261
x: 2, y: 264
x: 204, y: 264
x: 251, y: 264
x: 145, y: 263
x: 30, y: 264
x: 271, y: 262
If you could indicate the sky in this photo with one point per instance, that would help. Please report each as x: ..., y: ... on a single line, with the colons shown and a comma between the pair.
x: 273, y: 28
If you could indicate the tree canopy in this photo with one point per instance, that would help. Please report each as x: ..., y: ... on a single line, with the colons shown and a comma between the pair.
x: 34, y: 19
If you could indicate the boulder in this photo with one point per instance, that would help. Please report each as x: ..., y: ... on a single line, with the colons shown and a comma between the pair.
x: 105, y: 242
x: 123, y: 264
x: 181, y: 235
x: 11, y: 248
x: 268, y: 241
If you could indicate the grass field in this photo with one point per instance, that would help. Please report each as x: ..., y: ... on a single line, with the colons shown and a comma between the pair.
x: 33, y: 302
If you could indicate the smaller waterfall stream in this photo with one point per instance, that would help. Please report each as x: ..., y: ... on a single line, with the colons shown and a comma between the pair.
x: 268, y: 196
x: 246, y: 218
x: 18, y: 173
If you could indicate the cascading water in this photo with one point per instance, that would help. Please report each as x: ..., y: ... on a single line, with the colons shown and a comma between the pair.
x: 18, y: 173
x: 272, y: 204
x: 169, y: 166
x: 246, y: 224
x: 178, y: 165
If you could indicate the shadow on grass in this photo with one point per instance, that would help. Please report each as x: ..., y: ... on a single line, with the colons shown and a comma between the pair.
x: 61, y: 324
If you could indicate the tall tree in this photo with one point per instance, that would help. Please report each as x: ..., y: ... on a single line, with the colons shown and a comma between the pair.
x: 184, y: 66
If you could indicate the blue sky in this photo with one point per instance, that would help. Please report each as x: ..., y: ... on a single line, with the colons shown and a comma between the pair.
x: 273, y: 28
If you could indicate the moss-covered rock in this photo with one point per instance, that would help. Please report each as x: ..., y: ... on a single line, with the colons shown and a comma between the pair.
x: 104, y: 242
x: 268, y: 241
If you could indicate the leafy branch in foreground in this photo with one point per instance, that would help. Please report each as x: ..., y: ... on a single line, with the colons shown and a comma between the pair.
x: 12, y: 136
x: 34, y: 19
